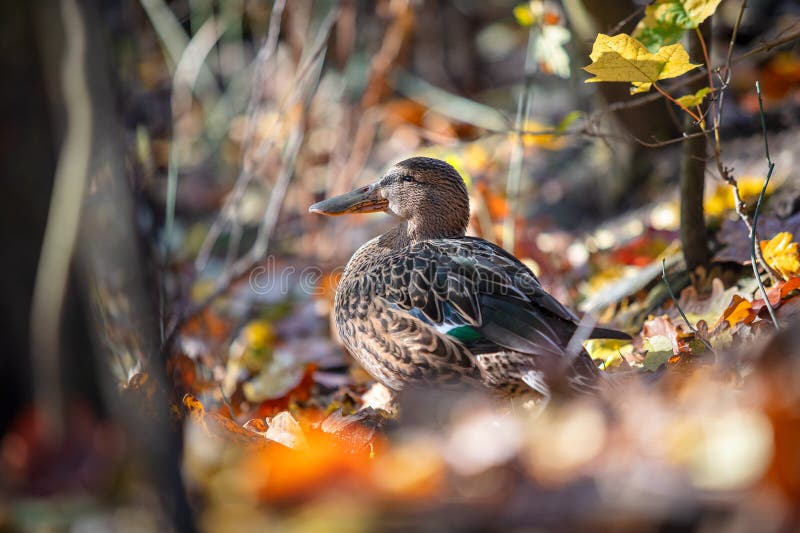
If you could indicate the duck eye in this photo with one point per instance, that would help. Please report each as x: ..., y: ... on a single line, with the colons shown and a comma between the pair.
x: 408, y: 179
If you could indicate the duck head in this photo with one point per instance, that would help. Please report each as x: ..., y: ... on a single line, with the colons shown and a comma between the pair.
x: 428, y: 194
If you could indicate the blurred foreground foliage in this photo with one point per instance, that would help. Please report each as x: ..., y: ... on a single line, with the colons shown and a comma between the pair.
x: 241, y: 114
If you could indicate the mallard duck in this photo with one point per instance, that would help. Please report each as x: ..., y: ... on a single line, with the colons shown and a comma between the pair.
x: 425, y: 305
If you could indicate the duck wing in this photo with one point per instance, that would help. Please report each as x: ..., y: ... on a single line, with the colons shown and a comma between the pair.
x: 478, y: 293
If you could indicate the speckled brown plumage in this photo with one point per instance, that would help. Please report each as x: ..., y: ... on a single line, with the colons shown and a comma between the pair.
x: 425, y: 305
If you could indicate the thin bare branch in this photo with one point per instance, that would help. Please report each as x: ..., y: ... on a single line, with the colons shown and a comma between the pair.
x: 770, y: 168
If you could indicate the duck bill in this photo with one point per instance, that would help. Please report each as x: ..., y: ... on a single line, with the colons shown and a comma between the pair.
x: 364, y: 200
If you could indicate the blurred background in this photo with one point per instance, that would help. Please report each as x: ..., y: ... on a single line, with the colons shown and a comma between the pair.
x: 169, y: 361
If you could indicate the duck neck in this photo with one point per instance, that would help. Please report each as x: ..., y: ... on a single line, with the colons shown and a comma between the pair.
x: 412, y: 231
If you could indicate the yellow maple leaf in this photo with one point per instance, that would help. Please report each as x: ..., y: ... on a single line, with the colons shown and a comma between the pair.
x: 691, y: 100
x: 623, y: 58
x: 781, y: 254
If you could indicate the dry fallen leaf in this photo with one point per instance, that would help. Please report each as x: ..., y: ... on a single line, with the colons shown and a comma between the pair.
x: 284, y: 429
x: 781, y: 253
x: 195, y: 409
x: 740, y: 310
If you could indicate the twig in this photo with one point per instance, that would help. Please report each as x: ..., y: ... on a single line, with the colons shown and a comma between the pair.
x: 669, y: 97
x: 245, y: 263
x: 771, y: 167
x: 725, y: 172
x: 618, y: 26
x: 186, y: 74
x: 260, y: 66
x: 252, y: 161
x: 646, y: 99
x: 227, y: 402
x: 518, y: 149
x: 678, y: 307
x: 712, y: 108
x: 490, y: 119
x: 310, y: 70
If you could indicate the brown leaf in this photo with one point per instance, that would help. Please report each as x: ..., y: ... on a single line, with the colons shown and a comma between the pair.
x: 708, y: 308
x: 661, y: 326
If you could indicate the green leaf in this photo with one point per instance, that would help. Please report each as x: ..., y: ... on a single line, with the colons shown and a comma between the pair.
x: 655, y: 38
x: 665, y: 21
x: 565, y: 123
x: 623, y: 58
x: 691, y: 100
x: 653, y: 360
x: 658, y: 343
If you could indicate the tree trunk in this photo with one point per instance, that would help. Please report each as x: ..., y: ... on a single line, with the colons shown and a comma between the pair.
x: 694, y: 239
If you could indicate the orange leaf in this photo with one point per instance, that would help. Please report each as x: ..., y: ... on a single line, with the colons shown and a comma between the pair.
x: 195, y: 409
x: 789, y: 286
x: 193, y: 406
x: 740, y: 310
x: 782, y: 255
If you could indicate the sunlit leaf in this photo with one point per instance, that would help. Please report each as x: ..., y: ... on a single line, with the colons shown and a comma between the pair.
x: 740, y: 310
x: 524, y: 15
x: 705, y: 307
x: 379, y: 397
x: 567, y: 121
x: 782, y: 254
x: 256, y: 425
x: 275, y: 380
x: 640, y: 87
x: 660, y: 334
x: 722, y: 200
x: 547, y: 140
x: 195, y: 410
x: 655, y: 359
x: 623, y: 58
x: 665, y: 21
x: 284, y: 429
x: 258, y: 334
x: 789, y: 287
x: 609, y: 351
x: 691, y: 100
x: 351, y: 431
x: 549, y: 51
